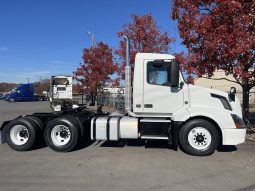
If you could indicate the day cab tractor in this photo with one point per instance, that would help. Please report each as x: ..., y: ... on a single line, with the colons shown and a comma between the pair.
x: 61, y: 93
x: 162, y: 107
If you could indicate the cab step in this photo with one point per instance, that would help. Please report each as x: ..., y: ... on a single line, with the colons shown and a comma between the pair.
x: 155, y: 137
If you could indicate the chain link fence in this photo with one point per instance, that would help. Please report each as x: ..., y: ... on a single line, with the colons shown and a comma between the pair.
x: 115, y: 99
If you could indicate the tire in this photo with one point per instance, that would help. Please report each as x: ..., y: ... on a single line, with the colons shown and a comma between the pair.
x: 62, y: 134
x: 12, y: 100
x: 39, y: 129
x: 37, y: 121
x: 199, y: 137
x: 21, y: 134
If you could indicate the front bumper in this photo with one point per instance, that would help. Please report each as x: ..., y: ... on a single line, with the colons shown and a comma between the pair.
x: 233, y: 136
x: 2, y: 138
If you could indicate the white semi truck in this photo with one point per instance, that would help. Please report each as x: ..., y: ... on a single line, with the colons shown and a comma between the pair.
x: 163, y: 107
x: 61, y: 93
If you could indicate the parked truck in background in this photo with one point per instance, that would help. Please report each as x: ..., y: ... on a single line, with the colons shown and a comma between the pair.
x: 61, y: 93
x: 163, y: 107
x: 24, y: 92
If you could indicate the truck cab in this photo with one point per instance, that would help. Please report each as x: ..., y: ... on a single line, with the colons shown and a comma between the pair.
x: 157, y: 95
x: 61, y: 94
x: 23, y: 92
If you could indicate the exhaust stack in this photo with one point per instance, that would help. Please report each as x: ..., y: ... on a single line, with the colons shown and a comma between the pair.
x: 128, y: 106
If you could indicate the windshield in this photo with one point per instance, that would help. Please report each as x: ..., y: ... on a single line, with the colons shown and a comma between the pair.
x: 60, y: 81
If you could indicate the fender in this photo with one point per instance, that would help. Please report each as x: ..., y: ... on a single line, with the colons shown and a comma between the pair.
x: 2, y: 137
x: 220, y: 117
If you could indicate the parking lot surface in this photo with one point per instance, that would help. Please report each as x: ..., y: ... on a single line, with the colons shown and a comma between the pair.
x: 132, y: 165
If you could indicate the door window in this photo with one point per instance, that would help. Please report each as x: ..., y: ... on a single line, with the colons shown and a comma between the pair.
x: 158, y: 73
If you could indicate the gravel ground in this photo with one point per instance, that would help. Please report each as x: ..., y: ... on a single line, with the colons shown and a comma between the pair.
x: 131, y: 165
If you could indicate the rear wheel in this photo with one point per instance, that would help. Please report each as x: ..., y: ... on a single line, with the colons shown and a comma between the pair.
x: 21, y: 134
x: 39, y: 127
x: 62, y: 134
x: 199, y: 137
x: 37, y: 121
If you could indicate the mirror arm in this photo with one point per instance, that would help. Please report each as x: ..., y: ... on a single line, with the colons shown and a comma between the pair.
x: 181, y: 85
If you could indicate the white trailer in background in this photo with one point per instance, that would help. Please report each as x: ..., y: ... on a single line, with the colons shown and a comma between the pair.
x: 61, y: 93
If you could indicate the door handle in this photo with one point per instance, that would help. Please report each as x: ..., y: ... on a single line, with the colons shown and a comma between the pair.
x: 148, y: 105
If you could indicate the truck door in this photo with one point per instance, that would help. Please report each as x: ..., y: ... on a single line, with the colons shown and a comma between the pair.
x: 159, y: 97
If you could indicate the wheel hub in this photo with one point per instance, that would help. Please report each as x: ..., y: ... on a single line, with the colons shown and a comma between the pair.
x: 199, y: 138
x: 63, y: 134
x: 60, y: 135
x: 19, y: 134
x: 23, y: 133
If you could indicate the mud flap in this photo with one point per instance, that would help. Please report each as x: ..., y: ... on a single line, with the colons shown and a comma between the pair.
x: 2, y: 134
x: 2, y: 138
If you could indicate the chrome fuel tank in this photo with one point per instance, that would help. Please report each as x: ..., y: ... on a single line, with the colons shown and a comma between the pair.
x: 114, y: 128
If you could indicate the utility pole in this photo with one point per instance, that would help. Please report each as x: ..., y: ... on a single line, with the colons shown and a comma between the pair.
x: 28, y: 80
x: 92, y: 36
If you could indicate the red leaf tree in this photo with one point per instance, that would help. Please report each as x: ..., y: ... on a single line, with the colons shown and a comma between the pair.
x: 219, y: 34
x: 145, y: 36
x: 96, y: 69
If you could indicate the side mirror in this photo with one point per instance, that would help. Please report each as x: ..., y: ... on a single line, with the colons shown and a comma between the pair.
x: 174, y: 73
x: 232, y: 93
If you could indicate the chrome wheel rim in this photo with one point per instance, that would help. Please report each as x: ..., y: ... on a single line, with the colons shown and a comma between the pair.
x: 60, y: 135
x: 19, y: 134
x: 199, y: 138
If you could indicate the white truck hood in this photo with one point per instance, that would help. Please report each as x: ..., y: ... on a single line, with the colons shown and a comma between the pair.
x: 204, y: 97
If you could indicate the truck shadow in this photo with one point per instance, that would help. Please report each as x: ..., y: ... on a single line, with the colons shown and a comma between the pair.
x: 227, y: 148
x: 83, y: 144
x: 248, y: 188
x: 40, y: 145
x: 154, y: 144
x: 149, y: 144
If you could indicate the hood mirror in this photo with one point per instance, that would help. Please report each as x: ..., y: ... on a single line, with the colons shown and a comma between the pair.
x: 232, y: 93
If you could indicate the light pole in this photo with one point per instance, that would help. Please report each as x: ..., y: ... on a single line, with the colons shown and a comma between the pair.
x: 28, y: 80
x: 92, y: 36
x: 41, y: 86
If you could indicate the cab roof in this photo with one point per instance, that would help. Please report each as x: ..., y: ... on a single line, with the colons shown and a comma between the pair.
x: 154, y: 56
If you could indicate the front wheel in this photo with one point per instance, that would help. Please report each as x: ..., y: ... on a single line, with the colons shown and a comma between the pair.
x: 62, y: 134
x: 199, y: 137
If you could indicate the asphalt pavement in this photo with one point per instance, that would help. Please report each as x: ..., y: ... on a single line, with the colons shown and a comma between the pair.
x: 132, y: 165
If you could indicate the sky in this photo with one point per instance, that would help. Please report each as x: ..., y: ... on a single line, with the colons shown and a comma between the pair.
x: 40, y: 38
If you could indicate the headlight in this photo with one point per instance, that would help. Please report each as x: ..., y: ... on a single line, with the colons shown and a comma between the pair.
x: 238, y: 121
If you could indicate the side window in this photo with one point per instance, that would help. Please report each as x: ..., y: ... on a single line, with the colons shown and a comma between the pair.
x: 158, y: 73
